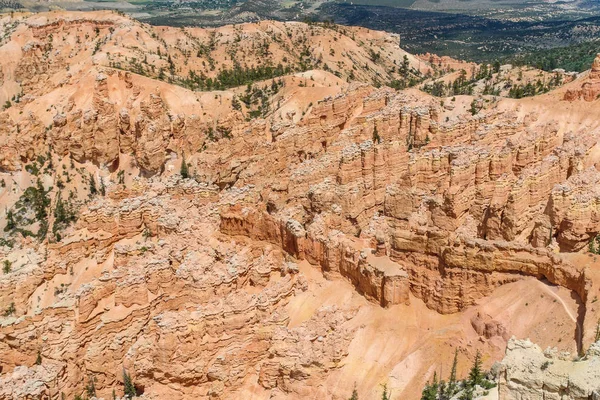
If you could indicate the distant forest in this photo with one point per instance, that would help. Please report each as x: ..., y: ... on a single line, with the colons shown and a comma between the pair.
x: 577, y: 57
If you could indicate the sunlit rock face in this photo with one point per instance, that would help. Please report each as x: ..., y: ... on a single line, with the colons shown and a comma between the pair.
x: 314, y: 232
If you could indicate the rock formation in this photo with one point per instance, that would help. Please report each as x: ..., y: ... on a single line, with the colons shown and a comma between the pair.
x: 330, y: 230
x: 527, y: 372
x: 590, y: 88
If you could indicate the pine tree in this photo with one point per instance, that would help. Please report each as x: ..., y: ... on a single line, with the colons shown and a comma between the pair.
x: 442, y: 390
x: 405, y: 66
x: 474, y: 109
x: 6, y: 268
x: 49, y: 157
x: 93, y: 189
x: 376, y: 137
x: 452, y: 377
x: 129, y: 388
x: 496, y: 66
x: 451, y: 388
x: 385, y: 395
x: 476, y: 375
x: 121, y: 177
x: 41, y: 201
x: 184, y: 172
x: 10, y: 310
x: 38, y: 360
x: 102, y: 187
x: 467, y: 394
x: 91, y: 387
x: 60, y: 212
x: 430, y: 392
x: 354, y: 394
x: 10, y: 222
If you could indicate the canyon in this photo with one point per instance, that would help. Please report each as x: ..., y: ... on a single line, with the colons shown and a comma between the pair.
x: 298, y: 236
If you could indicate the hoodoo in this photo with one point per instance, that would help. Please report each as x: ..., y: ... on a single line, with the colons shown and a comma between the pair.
x: 590, y: 88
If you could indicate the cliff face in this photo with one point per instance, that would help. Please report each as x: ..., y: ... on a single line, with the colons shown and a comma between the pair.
x: 462, y: 219
x: 527, y: 372
x: 328, y: 232
x: 460, y: 273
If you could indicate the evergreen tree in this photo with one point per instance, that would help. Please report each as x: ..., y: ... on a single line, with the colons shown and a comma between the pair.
x: 41, y: 201
x: 404, y: 67
x: 102, y: 187
x: 467, y: 394
x: 452, y: 377
x: 60, y: 212
x: 10, y: 310
x: 386, y: 394
x: 354, y: 394
x: 10, y: 221
x: 91, y: 387
x: 93, y: 189
x: 121, y: 177
x: 442, y: 390
x: 473, y: 108
x: 496, y: 66
x: 476, y: 375
x: 129, y: 388
x: 171, y: 65
x: 6, y: 268
x: 452, y: 385
x: 184, y: 172
x: 376, y: 137
x: 38, y: 360
x: 430, y: 392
